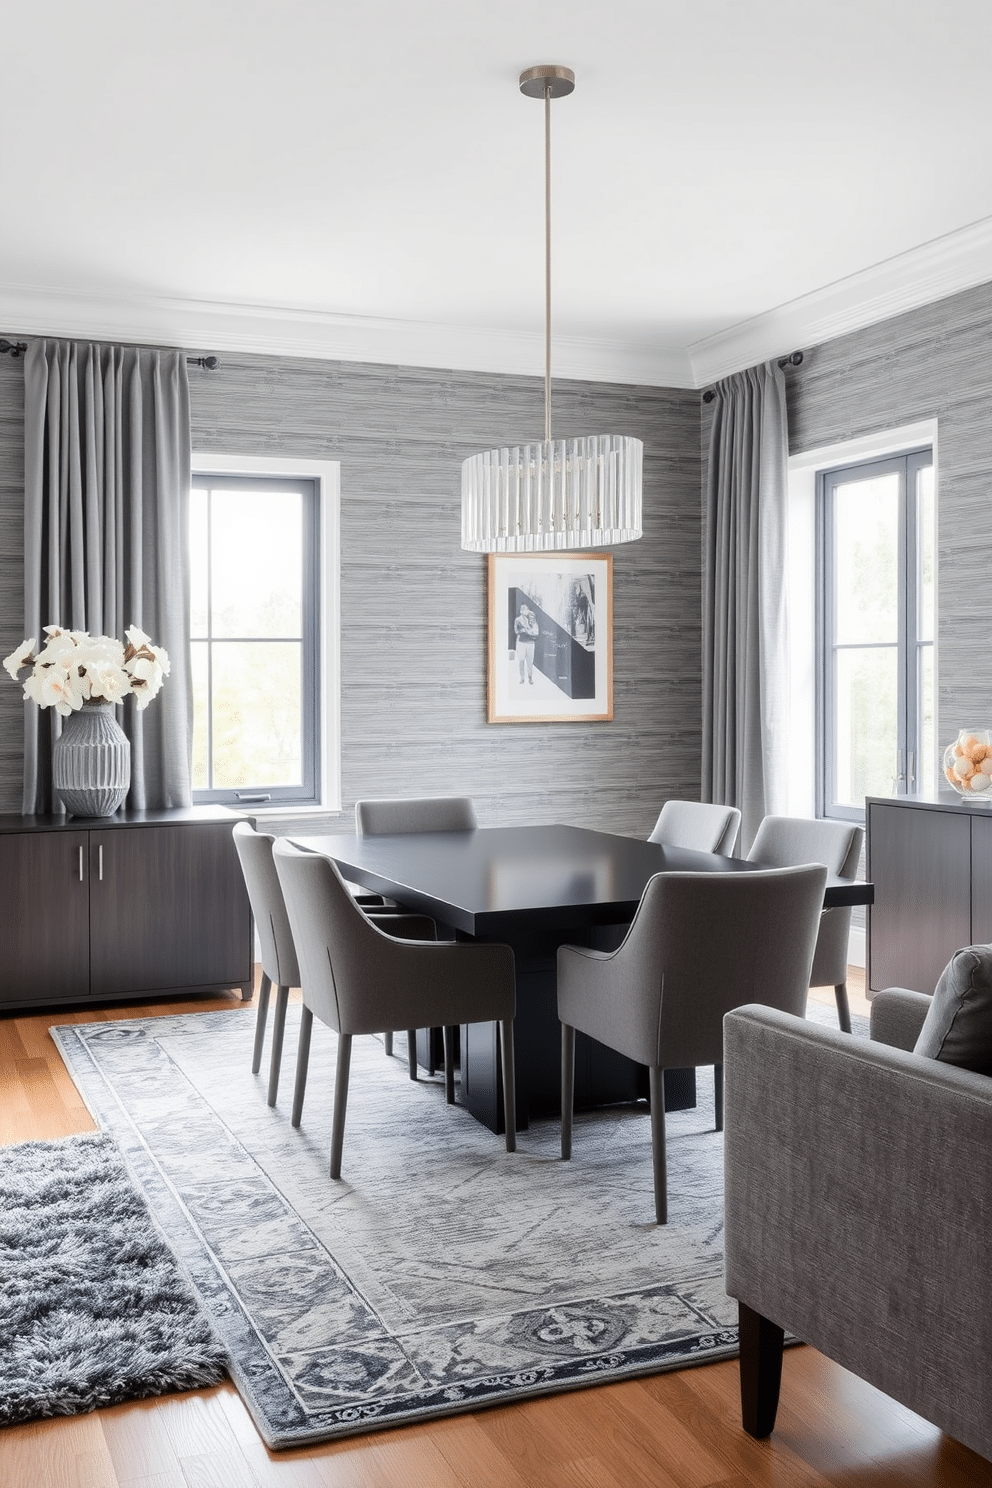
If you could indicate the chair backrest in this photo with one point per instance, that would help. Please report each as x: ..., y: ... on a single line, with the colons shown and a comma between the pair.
x: 782, y: 841
x: 421, y: 814
x: 697, y: 824
x: 354, y: 976
x: 703, y: 943
x: 279, y: 959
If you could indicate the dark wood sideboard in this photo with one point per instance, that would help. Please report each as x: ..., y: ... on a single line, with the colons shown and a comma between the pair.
x: 930, y: 859
x: 99, y: 909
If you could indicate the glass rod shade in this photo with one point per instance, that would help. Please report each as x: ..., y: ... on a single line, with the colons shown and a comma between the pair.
x: 553, y: 495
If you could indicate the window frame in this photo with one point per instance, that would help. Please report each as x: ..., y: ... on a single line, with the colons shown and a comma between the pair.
x: 906, y: 463
x: 323, y: 686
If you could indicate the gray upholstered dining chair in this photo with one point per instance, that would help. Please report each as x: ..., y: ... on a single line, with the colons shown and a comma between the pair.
x: 279, y: 963
x: 399, y: 815
x: 357, y: 979
x: 699, y: 825
x: 781, y: 841
x: 396, y: 815
x: 699, y: 945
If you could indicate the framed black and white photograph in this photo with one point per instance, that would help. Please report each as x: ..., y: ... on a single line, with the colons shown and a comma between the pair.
x: 550, y: 637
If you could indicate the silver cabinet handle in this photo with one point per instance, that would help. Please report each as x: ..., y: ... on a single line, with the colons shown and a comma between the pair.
x: 99, y: 862
x: 80, y: 865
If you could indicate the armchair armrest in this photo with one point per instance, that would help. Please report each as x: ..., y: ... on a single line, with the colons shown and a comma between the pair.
x: 897, y: 1015
x: 858, y: 1196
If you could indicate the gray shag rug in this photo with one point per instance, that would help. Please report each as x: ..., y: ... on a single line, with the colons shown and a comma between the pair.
x: 441, y: 1273
x: 93, y: 1308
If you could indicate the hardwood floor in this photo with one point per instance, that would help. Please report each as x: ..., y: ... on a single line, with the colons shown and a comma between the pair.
x: 678, y: 1430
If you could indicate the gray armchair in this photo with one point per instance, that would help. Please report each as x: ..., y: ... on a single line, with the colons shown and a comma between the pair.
x: 781, y: 840
x: 699, y: 825
x: 699, y: 944
x: 858, y: 1199
x: 357, y: 979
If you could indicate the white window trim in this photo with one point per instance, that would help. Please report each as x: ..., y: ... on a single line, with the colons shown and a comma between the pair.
x: 803, y: 470
x: 327, y: 475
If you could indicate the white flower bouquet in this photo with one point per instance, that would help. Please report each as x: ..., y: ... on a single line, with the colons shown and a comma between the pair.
x: 73, y: 668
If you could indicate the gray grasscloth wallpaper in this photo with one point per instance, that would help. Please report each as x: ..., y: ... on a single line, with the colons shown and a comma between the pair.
x: 413, y: 649
x: 935, y: 362
x: 413, y: 604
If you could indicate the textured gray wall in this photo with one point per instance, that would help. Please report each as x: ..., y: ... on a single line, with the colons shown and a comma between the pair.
x: 413, y: 604
x: 413, y: 650
x: 935, y: 362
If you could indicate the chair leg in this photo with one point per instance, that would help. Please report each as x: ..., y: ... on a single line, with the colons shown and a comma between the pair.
x: 448, y: 1035
x: 411, y: 1042
x: 387, y: 1042
x: 656, y: 1078
x: 260, y: 1017
x: 302, y: 1063
x: 761, y: 1345
x: 340, y: 1102
x: 278, y: 1029
x: 843, y: 1007
x: 718, y: 1094
x: 567, y: 1088
x: 509, y: 1083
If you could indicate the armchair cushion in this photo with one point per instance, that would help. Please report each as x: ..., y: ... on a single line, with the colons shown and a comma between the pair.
x: 958, y: 1025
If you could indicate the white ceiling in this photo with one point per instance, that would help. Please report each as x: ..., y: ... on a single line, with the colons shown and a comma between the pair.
x: 337, y: 178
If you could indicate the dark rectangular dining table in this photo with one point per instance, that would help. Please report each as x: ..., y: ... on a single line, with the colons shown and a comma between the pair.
x: 534, y: 888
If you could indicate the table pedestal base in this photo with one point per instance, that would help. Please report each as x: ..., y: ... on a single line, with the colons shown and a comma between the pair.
x: 602, y: 1076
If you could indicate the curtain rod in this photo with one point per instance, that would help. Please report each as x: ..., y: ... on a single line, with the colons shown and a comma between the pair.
x: 18, y: 348
x: 794, y: 360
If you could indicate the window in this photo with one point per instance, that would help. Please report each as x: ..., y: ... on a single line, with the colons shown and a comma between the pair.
x: 255, y: 546
x: 875, y: 623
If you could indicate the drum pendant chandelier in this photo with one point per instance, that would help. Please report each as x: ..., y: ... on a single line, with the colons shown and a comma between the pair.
x: 553, y: 494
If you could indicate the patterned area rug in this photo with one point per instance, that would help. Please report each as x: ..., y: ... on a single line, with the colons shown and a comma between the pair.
x: 441, y: 1273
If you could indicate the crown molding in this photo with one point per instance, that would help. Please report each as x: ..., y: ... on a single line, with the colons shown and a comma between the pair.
x: 948, y: 264
x: 271, y: 330
x: 954, y: 262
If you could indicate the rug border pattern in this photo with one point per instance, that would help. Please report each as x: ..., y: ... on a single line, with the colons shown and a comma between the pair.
x: 256, y: 1374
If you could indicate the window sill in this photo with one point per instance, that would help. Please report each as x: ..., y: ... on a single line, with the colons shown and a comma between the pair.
x: 286, y: 811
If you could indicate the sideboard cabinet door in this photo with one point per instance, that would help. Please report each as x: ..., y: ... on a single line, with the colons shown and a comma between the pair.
x: 981, y: 880
x: 920, y: 864
x: 168, y: 910
x: 45, y: 894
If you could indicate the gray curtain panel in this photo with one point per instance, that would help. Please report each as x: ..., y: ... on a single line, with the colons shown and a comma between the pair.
x: 106, y: 546
x: 745, y: 658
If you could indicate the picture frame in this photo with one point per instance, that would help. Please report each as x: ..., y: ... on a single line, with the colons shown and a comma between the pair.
x: 550, y: 637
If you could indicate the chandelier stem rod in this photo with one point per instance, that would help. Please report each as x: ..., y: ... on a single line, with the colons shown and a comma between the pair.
x: 547, y: 264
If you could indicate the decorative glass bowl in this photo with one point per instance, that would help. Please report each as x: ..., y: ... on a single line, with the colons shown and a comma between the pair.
x: 968, y: 764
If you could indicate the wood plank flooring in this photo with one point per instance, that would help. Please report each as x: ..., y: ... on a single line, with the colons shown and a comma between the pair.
x: 678, y: 1430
